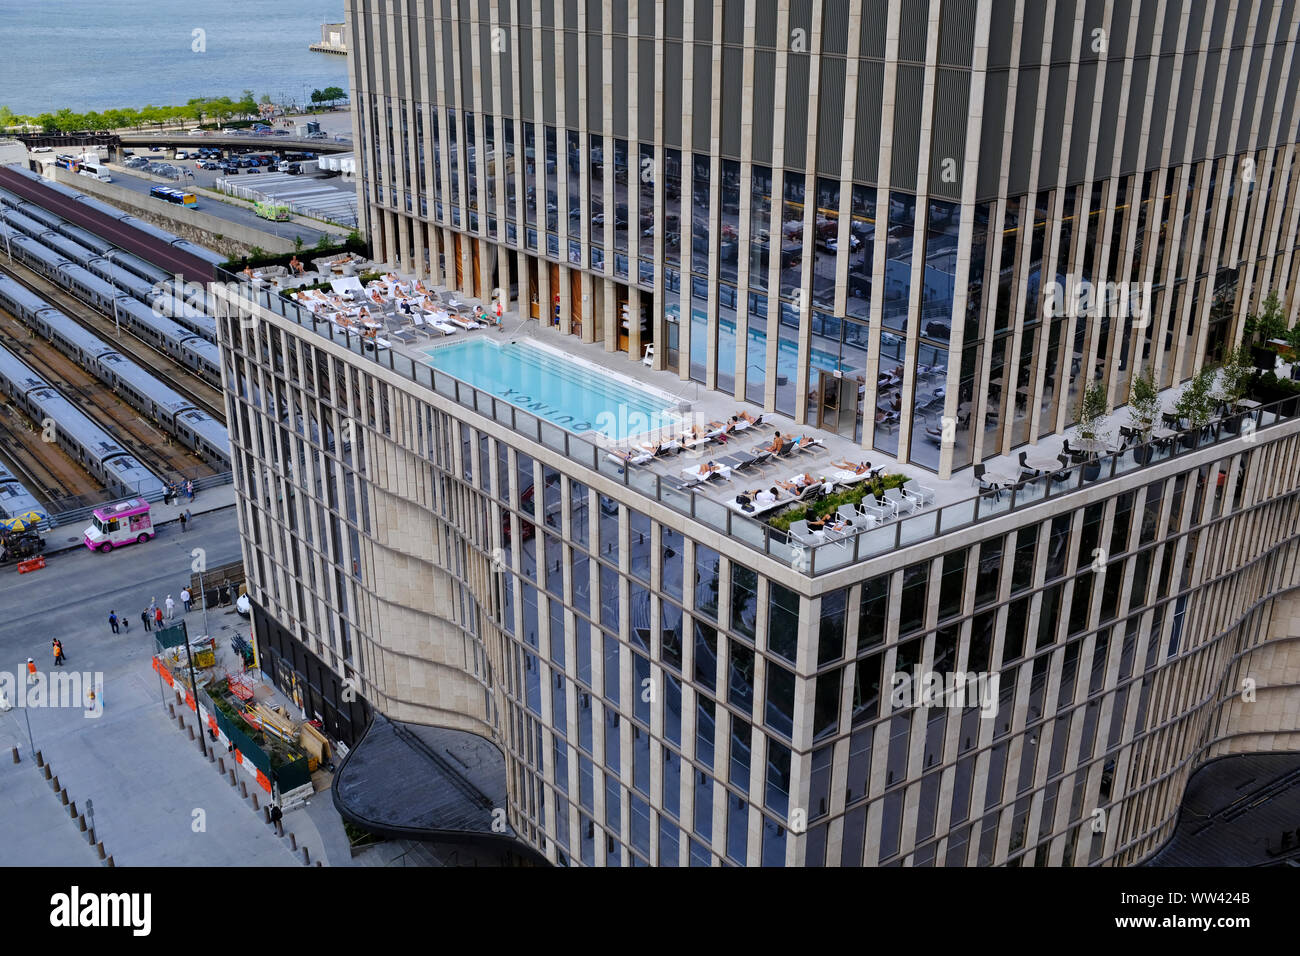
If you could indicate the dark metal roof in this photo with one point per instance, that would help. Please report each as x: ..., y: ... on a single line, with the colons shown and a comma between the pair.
x: 1241, y: 810
x: 426, y: 783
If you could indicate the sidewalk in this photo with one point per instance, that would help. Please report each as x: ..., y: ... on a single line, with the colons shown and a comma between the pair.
x: 205, y: 502
x: 35, y: 829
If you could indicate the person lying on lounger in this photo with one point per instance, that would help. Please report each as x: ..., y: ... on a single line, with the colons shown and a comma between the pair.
x: 704, y: 471
x: 745, y: 416
x: 817, y: 524
x: 798, y: 483
x: 861, y: 468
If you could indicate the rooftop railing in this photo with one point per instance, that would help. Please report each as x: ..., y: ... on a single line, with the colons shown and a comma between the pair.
x: 831, y: 555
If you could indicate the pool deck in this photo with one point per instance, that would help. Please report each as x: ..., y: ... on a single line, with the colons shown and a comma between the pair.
x: 695, y: 404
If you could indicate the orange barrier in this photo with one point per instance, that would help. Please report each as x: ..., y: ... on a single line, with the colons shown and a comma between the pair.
x: 31, y: 564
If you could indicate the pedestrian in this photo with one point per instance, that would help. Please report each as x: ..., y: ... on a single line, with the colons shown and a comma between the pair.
x: 147, y: 619
x: 59, y: 659
x: 189, y: 519
x: 31, y: 669
x: 125, y: 622
x: 182, y: 521
x: 171, y: 608
x: 189, y: 491
x: 112, y: 621
x: 157, y: 617
x: 185, y: 599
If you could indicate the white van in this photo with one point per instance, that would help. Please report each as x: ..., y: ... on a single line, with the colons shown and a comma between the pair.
x: 95, y: 172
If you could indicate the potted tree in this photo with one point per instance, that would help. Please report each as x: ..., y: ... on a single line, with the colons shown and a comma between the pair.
x: 1091, y: 414
x: 1196, y: 405
x: 1144, y: 409
x: 1234, y: 382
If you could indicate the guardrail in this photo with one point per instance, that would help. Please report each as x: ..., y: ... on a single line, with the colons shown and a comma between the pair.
x: 82, y: 514
x: 821, y: 559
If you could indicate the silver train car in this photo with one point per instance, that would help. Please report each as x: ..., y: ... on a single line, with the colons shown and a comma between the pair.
x: 129, y: 273
x: 14, y: 496
x: 192, y: 426
x: 84, y: 441
x: 183, y: 344
x: 207, y: 255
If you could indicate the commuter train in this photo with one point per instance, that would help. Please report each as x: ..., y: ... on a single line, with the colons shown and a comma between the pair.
x: 192, y: 426
x: 145, y: 282
x: 181, y: 343
x: 14, y: 496
x: 97, y: 451
x: 170, y: 238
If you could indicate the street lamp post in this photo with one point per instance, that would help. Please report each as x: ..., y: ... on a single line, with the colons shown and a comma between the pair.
x: 194, y: 686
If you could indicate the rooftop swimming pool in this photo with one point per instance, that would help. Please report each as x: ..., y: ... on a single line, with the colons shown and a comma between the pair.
x: 573, y: 395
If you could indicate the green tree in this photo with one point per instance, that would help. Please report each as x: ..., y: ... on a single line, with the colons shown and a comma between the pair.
x: 1092, y: 410
x: 1268, y: 323
x: 332, y: 94
x: 1144, y: 404
x: 1236, y: 375
x: 7, y: 118
x: 317, y: 96
x: 246, y: 104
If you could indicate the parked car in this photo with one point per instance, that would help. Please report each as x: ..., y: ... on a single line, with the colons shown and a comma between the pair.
x: 197, y: 132
x: 42, y: 149
x: 295, y: 169
x: 254, y: 169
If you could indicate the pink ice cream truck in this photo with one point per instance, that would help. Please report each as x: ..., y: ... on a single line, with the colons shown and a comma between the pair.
x: 115, y: 525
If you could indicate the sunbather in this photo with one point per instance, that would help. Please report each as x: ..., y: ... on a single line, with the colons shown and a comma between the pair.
x: 861, y: 468
x: 778, y: 443
x: 798, y: 483
x: 745, y: 416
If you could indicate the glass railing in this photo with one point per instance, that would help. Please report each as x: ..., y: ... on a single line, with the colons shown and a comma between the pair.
x: 901, y: 531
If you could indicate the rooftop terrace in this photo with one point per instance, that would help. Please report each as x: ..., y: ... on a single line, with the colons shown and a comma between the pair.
x: 377, y: 329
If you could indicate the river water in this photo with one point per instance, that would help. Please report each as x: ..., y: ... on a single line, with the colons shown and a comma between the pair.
x: 99, y: 54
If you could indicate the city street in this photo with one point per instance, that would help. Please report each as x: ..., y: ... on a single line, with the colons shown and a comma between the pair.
x: 156, y: 800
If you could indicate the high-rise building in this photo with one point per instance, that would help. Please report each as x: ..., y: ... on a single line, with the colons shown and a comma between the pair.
x: 916, y: 230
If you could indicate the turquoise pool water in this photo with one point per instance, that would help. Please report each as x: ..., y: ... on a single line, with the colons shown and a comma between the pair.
x: 572, y: 396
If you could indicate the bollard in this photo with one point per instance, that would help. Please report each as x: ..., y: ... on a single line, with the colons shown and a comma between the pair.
x: 90, y: 835
x: 221, y: 765
x: 40, y: 759
x: 306, y: 857
x: 171, y: 710
x: 243, y: 789
x: 54, y: 783
x: 191, y: 730
x: 266, y: 813
x: 47, y: 771
x: 293, y: 842
x: 63, y: 797
x: 254, y: 801
x: 279, y: 828
x: 99, y: 848
x: 180, y: 721
x: 319, y: 863
x: 72, y: 809
x: 109, y: 862
x: 232, y: 776
x: 17, y: 759
x: 81, y: 822
x: 212, y: 757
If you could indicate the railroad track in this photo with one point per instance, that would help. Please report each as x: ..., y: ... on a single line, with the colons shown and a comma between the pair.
x: 144, y: 354
x: 44, y: 469
x: 152, y: 446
